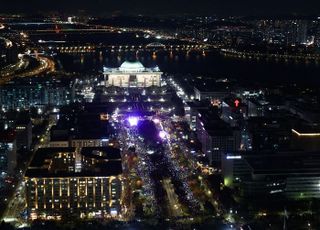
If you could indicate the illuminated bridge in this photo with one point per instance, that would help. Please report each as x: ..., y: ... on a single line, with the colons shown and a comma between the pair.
x: 154, y: 47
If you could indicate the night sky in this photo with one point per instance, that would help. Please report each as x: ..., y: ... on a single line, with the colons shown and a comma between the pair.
x: 166, y: 7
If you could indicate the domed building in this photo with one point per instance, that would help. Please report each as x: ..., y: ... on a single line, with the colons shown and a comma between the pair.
x: 131, y: 67
x: 132, y: 74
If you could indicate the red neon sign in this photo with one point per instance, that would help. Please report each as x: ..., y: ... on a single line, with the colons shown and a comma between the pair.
x: 236, y: 103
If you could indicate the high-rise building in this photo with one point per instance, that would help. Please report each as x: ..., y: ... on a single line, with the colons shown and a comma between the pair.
x: 216, y: 136
x: 297, y: 32
x: 24, y: 132
x: 36, y: 92
x: 8, y: 155
x: 301, y: 30
x: 294, y: 175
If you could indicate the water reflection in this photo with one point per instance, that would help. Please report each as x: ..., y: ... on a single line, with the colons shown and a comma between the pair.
x: 199, y: 63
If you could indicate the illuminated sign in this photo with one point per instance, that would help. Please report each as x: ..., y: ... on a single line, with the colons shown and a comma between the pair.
x: 234, y: 157
x: 237, y: 103
x: 305, y: 134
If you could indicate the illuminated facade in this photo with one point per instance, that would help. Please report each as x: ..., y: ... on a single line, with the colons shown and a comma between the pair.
x: 132, y: 74
x: 36, y: 92
x: 24, y: 133
x: 68, y: 182
x: 8, y: 155
x: 293, y: 175
x: 215, y: 135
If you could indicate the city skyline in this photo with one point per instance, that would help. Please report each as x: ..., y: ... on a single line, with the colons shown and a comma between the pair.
x: 165, y: 7
x: 159, y: 115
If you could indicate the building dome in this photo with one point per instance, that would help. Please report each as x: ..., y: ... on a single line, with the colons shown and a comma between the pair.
x: 131, y: 66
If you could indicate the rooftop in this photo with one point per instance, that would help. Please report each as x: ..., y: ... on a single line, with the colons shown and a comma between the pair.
x: 131, y: 67
x: 291, y: 162
x: 80, y: 124
x: 102, y: 153
x: 43, y: 162
x: 213, y: 124
x: 306, y: 130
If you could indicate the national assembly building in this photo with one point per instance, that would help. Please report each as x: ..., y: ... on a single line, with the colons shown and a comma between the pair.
x: 132, y: 74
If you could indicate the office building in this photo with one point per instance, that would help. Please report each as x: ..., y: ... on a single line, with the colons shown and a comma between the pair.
x: 23, y: 128
x: 292, y: 175
x: 24, y: 93
x: 82, y: 128
x: 8, y: 154
x: 216, y: 136
x: 74, y: 182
